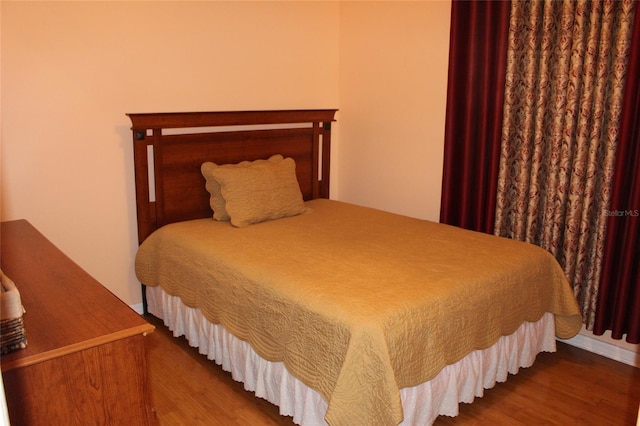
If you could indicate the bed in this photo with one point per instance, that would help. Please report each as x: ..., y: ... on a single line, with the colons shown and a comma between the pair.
x: 339, y: 314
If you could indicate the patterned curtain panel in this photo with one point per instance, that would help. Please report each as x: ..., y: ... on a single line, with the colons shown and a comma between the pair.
x: 567, y: 63
x: 619, y: 292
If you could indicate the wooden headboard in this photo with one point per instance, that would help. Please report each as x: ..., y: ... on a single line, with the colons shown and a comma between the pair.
x: 170, y: 147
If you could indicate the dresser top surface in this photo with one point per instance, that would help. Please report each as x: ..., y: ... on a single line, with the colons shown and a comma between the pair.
x: 66, y: 309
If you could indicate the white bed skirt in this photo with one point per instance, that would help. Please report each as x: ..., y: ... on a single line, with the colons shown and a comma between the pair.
x: 422, y: 404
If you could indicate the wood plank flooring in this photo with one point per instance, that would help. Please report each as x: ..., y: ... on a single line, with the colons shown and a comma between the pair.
x: 569, y: 387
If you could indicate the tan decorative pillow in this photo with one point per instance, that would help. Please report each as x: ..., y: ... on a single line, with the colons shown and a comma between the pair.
x: 264, y: 191
x: 216, y: 200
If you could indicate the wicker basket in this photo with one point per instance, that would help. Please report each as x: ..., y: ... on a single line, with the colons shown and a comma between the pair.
x: 13, y: 335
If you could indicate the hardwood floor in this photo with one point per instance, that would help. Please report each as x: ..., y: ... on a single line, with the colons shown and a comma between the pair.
x: 569, y: 387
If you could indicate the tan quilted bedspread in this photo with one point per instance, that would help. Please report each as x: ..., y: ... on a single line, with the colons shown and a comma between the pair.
x: 356, y: 302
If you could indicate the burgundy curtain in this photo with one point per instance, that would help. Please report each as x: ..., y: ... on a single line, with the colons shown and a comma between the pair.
x: 618, y: 305
x: 475, y: 96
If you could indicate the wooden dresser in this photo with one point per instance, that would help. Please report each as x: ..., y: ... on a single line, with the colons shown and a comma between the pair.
x: 85, y: 361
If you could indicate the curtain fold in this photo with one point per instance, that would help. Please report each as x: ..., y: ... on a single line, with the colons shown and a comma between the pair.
x: 543, y: 144
x: 477, y: 55
x: 618, y: 305
x: 566, y: 70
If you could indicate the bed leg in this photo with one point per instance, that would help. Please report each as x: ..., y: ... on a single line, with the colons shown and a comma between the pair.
x: 145, y: 310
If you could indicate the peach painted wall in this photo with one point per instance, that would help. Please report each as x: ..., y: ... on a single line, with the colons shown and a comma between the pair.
x: 393, y: 80
x: 71, y: 70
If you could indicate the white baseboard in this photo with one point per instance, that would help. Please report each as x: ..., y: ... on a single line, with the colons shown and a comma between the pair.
x: 605, y: 349
x: 137, y: 308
